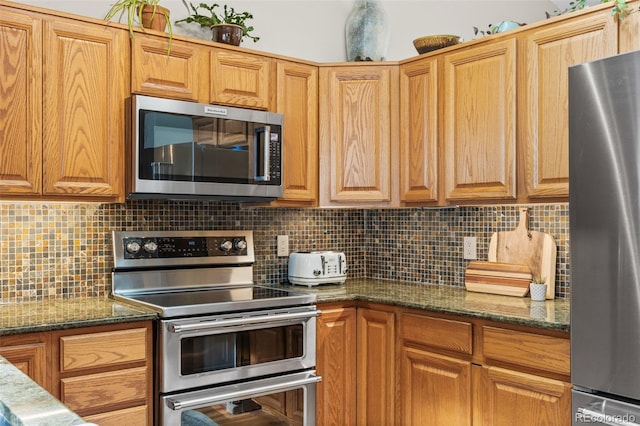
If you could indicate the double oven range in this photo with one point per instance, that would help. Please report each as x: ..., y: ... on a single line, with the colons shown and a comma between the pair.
x: 227, y: 350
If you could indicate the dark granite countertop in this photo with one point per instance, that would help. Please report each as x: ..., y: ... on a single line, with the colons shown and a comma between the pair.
x: 551, y: 314
x: 18, y: 318
x: 23, y: 402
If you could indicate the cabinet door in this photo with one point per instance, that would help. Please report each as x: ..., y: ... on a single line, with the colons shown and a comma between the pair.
x: 507, y: 398
x: 480, y: 122
x: 297, y: 100
x: 628, y: 30
x: 177, y: 73
x: 336, y: 364
x: 85, y: 87
x: 21, y: 103
x: 28, y: 352
x: 434, y: 389
x: 419, y: 131
x: 239, y: 79
x: 357, y: 128
x: 543, y: 95
x: 376, y: 388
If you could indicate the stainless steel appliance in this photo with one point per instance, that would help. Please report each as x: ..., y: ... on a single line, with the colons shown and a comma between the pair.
x: 317, y: 267
x: 604, y: 148
x: 185, y: 149
x: 225, y: 347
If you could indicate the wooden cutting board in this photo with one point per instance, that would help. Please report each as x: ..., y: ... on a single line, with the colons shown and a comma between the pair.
x: 521, y: 246
x: 497, y: 278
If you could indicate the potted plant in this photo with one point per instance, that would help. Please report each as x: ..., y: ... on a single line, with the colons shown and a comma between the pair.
x: 144, y: 13
x: 538, y: 288
x: 228, y: 26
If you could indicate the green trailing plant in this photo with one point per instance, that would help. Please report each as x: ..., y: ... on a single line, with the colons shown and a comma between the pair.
x: 227, y: 16
x: 620, y: 9
x: 133, y: 10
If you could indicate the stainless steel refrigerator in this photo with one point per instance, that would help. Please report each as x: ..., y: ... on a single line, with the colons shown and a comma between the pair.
x: 604, y: 170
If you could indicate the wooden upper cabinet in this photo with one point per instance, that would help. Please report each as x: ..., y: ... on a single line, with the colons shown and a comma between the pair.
x: 179, y: 73
x: 628, y: 30
x: 358, y: 134
x: 21, y: 103
x: 297, y: 100
x: 239, y: 79
x: 480, y: 122
x: 85, y: 87
x: 419, y: 131
x: 543, y: 94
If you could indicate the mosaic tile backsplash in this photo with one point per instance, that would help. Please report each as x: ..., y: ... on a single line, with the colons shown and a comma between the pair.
x: 63, y: 250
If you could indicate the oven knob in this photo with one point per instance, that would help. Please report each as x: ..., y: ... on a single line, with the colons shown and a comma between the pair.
x: 241, y: 244
x: 226, y: 245
x: 150, y: 246
x: 132, y: 247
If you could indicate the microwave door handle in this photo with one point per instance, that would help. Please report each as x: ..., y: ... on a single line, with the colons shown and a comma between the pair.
x: 177, y: 403
x: 208, y: 325
x: 262, y: 144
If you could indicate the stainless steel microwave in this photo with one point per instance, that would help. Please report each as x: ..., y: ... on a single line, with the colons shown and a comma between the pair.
x: 182, y: 150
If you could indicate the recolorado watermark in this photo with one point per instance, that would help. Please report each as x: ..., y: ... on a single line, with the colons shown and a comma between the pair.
x: 622, y: 419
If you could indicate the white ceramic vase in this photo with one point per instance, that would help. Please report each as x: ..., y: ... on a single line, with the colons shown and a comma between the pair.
x: 367, y: 32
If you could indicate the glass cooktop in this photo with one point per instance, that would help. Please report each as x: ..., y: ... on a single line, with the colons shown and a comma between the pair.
x: 217, y: 300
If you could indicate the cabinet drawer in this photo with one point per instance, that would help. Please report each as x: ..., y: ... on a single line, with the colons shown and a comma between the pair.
x: 437, y: 332
x: 102, y: 349
x: 135, y: 416
x: 105, y: 390
x: 546, y: 353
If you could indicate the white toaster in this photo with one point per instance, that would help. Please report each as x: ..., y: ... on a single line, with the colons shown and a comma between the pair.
x: 317, y: 267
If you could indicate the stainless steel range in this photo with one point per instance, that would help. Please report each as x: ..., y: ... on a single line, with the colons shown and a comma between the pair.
x: 227, y: 350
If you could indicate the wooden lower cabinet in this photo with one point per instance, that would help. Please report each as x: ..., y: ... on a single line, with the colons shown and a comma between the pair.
x: 384, y: 365
x: 105, y: 373
x: 336, y: 364
x: 28, y: 352
x: 375, y: 390
x: 506, y: 397
x: 435, y: 389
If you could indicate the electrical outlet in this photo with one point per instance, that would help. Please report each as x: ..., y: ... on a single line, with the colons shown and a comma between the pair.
x: 283, y: 245
x: 469, y: 250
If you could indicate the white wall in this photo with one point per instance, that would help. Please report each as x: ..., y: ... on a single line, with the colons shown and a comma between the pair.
x: 314, y: 29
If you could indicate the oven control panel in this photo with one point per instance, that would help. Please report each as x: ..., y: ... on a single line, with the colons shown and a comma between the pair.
x: 142, y: 249
x: 177, y: 247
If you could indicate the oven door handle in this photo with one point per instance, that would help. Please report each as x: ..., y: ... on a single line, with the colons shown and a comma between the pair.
x: 207, y: 325
x: 177, y: 403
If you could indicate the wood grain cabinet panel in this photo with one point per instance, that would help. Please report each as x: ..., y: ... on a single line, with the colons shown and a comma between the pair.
x: 358, y: 134
x: 435, y: 390
x: 28, y: 352
x: 176, y: 73
x: 543, y: 106
x: 376, y: 391
x: 480, y: 122
x: 297, y: 100
x: 239, y: 79
x: 21, y: 103
x: 104, y: 391
x: 336, y: 364
x: 105, y: 373
x: 128, y: 416
x: 456, y: 336
x: 507, y: 398
x: 85, y: 87
x: 530, y: 350
x: 419, y: 131
x: 102, y: 349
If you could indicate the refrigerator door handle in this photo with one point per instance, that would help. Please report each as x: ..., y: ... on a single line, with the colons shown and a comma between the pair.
x: 600, y: 417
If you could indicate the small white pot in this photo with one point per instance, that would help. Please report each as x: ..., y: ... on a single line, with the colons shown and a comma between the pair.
x: 538, y: 291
